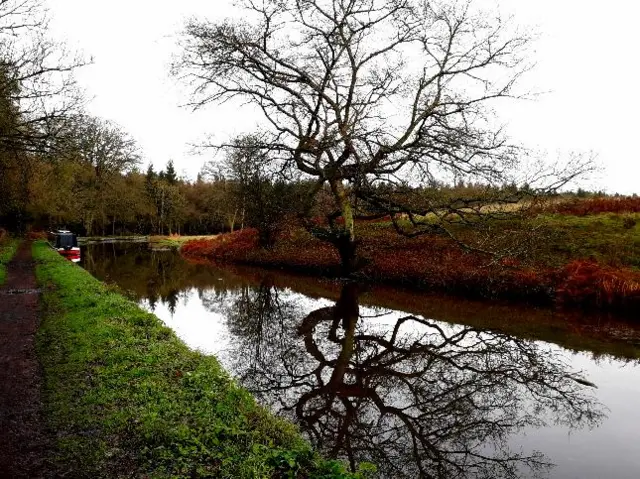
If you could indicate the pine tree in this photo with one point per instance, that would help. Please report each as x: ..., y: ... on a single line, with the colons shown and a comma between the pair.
x: 151, y: 174
x: 170, y: 173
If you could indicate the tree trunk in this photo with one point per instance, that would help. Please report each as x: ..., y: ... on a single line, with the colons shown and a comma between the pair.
x: 88, y: 224
x: 345, y: 242
x: 232, y: 220
x: 347, y: 251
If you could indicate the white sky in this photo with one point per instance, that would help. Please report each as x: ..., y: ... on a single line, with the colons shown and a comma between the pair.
x: 586, y: 60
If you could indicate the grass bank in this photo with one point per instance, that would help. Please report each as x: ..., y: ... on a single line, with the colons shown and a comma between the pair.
x: 8, y: 247
x: 175, y: 241
x: 584, y: 261
x: 154, y: 241
x: 127, y: 398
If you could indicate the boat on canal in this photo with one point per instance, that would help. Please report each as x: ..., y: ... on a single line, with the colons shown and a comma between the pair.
x: 65, y: 243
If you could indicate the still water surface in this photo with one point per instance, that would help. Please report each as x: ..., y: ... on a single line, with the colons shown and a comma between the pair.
x: 417, y: 385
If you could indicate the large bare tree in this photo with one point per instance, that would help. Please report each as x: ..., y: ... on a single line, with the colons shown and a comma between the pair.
x: 355, y: 93
x: 38, y: 100
x: 107, y: 151
x: 36, y: 76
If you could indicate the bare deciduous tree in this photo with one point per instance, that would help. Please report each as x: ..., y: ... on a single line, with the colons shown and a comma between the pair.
x: 37, y: 77
x: 108, y: 151
x: 38, y: 97
x: 361, y: 92
x: 105, y: 146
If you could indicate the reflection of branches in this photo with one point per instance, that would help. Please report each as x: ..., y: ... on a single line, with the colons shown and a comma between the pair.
x: 407, y: 393
x: 260, y: 315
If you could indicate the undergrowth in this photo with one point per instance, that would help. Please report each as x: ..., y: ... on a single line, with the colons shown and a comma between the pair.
x: 127, y: 398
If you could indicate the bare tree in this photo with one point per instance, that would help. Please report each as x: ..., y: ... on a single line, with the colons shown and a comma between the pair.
x: 361, y: 92
x: 37, y: 77
x: 108, y: 151
x: 39, y: 99
x: 105, y: 146
x: 263, y: 198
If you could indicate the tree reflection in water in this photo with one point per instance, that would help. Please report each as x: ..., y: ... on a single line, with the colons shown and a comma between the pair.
x: 416, y: 397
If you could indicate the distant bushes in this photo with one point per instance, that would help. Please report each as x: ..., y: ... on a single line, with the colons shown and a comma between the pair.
x: 36, y: 235
x: 231, y: 246
x: 587, y: 283
x: 294, y: 249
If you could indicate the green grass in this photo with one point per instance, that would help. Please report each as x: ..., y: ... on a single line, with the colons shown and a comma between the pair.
x: 127, y: 398
x: 175, y: 241
x: 602, y: 237
x: 8, y: 247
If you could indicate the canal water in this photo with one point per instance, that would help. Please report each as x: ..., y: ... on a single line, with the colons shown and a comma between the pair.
x: 420, y: 386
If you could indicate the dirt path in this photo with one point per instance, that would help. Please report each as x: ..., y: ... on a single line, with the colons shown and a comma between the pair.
x: 23, y: 440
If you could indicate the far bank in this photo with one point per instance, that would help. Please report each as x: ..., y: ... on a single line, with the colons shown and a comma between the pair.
x: 590, y: 262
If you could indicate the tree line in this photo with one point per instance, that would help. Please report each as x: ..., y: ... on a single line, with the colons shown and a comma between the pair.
x: 61, y: 167
x: 351, y: 128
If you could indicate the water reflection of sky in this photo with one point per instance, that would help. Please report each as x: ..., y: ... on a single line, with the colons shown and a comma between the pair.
x: 198, y: 327
x: 612, y: 450
x: 204, y: 329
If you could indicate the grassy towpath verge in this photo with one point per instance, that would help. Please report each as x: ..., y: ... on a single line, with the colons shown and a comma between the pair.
x: 8, y: 248
x: 127, y: 398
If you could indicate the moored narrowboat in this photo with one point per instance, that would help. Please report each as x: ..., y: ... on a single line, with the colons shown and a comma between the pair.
x: 65, y: 243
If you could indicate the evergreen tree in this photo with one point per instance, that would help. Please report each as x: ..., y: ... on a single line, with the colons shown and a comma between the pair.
x: 170, y: 173
x: 151, y: 174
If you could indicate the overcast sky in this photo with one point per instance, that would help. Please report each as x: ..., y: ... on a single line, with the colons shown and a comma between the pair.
x: 586, y: 59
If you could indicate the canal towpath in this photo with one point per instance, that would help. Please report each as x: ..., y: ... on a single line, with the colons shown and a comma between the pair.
x: 24, y: 442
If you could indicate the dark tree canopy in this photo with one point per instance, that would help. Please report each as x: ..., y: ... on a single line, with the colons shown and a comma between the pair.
x: 170, y: 173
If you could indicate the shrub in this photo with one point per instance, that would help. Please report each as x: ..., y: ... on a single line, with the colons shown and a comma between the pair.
x: 229, y: 246
x: 588, y: 283
x: 598, y: 205
x: 628, y: 222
